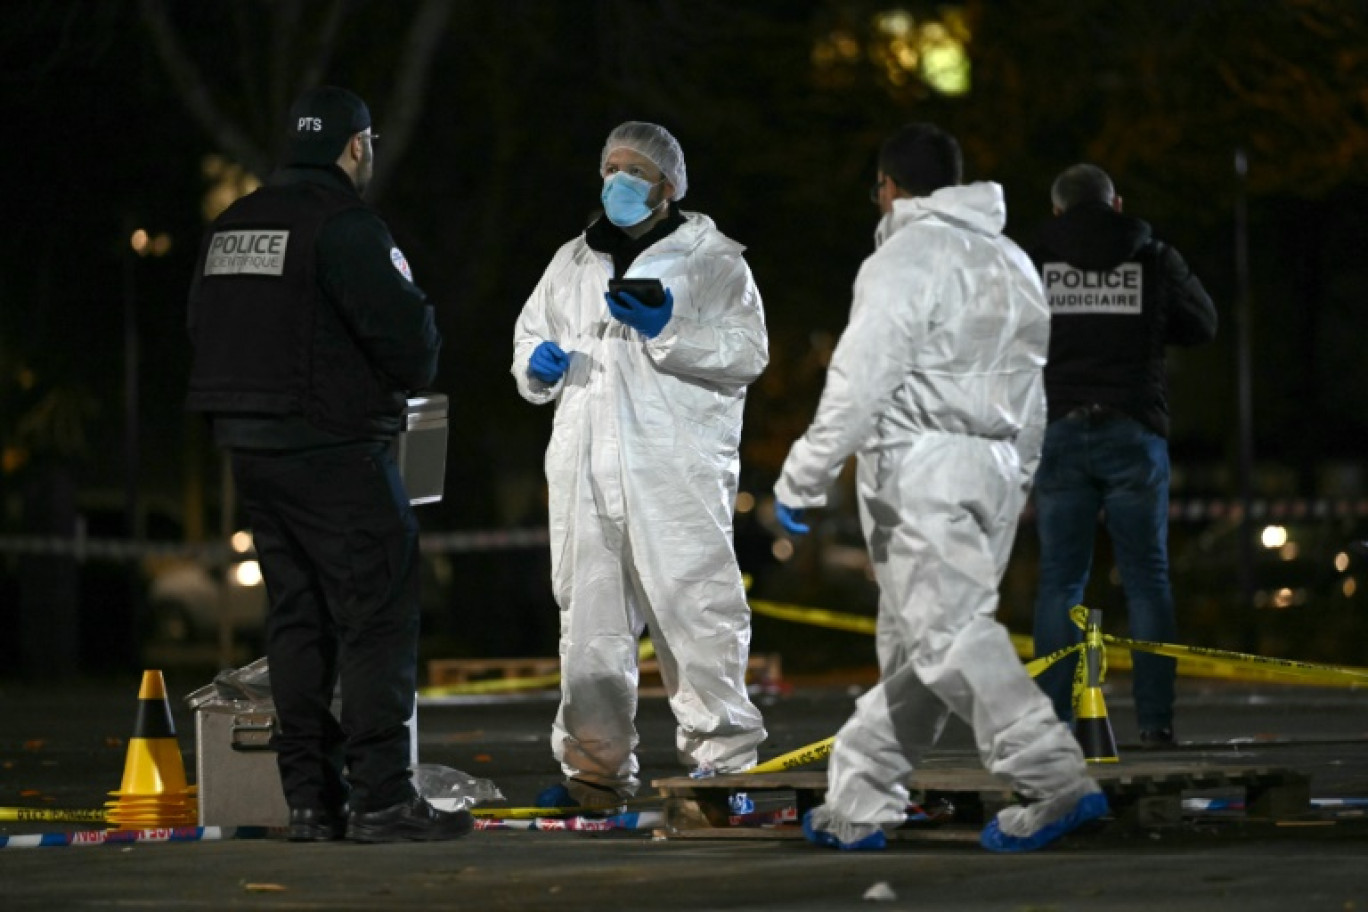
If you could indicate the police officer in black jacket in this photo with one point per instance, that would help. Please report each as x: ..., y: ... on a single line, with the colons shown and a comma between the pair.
x: 1117, y: 298
x: 308, y: 333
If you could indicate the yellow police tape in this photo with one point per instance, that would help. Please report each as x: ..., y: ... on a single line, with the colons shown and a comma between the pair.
x: 1036, y: 666
x: 1195, y: 661
x: 100, y: 815
x: 532, y: 813
x: 819, y: 617
x: 506, y: 685
x: 1340, y: 675
x: 52, y: 815
x: 493, y: 685
x: 794, y: 759
x: 854, y: 623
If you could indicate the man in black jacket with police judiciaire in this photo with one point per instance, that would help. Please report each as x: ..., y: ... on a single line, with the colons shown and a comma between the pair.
x: 308, y: 335
x: 1118, y: 297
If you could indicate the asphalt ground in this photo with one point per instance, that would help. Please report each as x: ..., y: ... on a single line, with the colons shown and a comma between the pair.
x: 65, y: 746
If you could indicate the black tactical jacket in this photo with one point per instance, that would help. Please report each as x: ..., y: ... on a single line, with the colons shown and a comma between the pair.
x: 306, y: 325
x: 1117, y: 297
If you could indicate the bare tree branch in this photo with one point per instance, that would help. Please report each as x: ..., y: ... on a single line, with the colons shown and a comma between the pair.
x: 286, y: 27
x: 190, y: 85
x: 250, y: 96
x: 312, y: 73
x: 406, y: 100
x: 80, y: 34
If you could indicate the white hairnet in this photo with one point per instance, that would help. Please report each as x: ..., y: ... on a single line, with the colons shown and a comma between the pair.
x: 654, y: 142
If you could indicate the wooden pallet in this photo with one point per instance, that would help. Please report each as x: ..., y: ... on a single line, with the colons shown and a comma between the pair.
x: 764, y: 670
x: 1147, y: 795
x: 1142, y: 796
x: 449, y: 672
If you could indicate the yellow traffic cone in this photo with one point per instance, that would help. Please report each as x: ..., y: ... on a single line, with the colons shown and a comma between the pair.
x: 153, y: 792
x: 1092, y: 728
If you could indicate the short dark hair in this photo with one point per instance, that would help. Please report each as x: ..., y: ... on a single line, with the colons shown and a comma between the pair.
x: 1082, y: 183
x: 921, y: 158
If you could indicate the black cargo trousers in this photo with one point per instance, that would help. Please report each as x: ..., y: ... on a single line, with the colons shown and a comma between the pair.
x: 338, y: 546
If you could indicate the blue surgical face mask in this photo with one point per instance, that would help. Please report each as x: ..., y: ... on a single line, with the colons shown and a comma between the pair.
x: 624, y: 199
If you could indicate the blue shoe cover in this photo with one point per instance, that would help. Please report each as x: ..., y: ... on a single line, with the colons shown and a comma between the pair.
x: 559, y: 796
x: 873, y: 842
x: 1089, y: 807
x: 555, y: 796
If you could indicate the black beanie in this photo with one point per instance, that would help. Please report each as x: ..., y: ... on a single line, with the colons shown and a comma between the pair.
x: 921, y: 158
x: 321, y: 122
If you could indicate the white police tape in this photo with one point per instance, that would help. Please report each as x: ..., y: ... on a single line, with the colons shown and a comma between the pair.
x: 1278, y: 509
x: 632, y: 820
x: 1199, y: 509
x: 124, y: 837
x: 82, y: 547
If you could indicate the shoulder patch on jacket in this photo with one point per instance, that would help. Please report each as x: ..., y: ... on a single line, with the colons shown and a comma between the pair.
x: 401, y: 264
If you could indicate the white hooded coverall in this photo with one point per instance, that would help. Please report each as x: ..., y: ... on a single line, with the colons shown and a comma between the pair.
x: 642, y: 471
x: 937, y: 383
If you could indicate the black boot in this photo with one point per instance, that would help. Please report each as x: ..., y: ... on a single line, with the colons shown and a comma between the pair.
x: 412, y: 820
x: 315, y: 825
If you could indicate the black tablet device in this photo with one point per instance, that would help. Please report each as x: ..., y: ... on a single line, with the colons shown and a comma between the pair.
x: 648, y: 291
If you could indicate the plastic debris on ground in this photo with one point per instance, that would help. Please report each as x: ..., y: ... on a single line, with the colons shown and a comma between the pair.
x: 249, y: 684
x: 880, y: 892
x: 450, y: 789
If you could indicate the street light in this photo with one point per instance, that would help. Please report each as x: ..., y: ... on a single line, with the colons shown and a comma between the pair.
x: 143, y: 244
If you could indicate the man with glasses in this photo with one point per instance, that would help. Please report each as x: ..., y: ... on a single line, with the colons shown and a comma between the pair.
x: 308, y: 335
x: 642, y: 470
x: 937, y: 384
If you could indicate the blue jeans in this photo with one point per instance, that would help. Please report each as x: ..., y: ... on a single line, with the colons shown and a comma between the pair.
x: 1119, y: 467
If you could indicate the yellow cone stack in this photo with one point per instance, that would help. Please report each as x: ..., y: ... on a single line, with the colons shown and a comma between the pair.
x: 153, y: 793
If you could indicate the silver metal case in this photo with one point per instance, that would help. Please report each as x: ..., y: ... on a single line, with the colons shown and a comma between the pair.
x: 420, y: 448
x: 235, y: 767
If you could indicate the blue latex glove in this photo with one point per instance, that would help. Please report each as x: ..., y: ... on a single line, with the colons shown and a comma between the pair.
x: 548, y: 362
x: 791, y: 518
x: 648, y: 321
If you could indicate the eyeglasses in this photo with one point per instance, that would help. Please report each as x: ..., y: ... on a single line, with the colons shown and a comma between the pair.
x: 373, y: 137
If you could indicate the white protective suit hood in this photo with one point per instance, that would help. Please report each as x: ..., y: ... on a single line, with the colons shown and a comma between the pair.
x: 980, y: 207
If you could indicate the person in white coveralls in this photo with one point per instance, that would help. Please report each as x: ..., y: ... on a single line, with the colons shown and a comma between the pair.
x: 642, y: 470
x: 937, y: 385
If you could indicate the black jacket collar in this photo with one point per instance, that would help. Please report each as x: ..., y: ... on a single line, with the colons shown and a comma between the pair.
x: 330, y: 176
x: 1092, y: 236
x: 605, y: 237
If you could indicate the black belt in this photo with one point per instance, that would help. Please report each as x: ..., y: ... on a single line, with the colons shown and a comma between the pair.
x: 1094, y: 413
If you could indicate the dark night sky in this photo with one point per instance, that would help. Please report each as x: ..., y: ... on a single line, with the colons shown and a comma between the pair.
x: 502, y: 169
x: 780, y: 106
